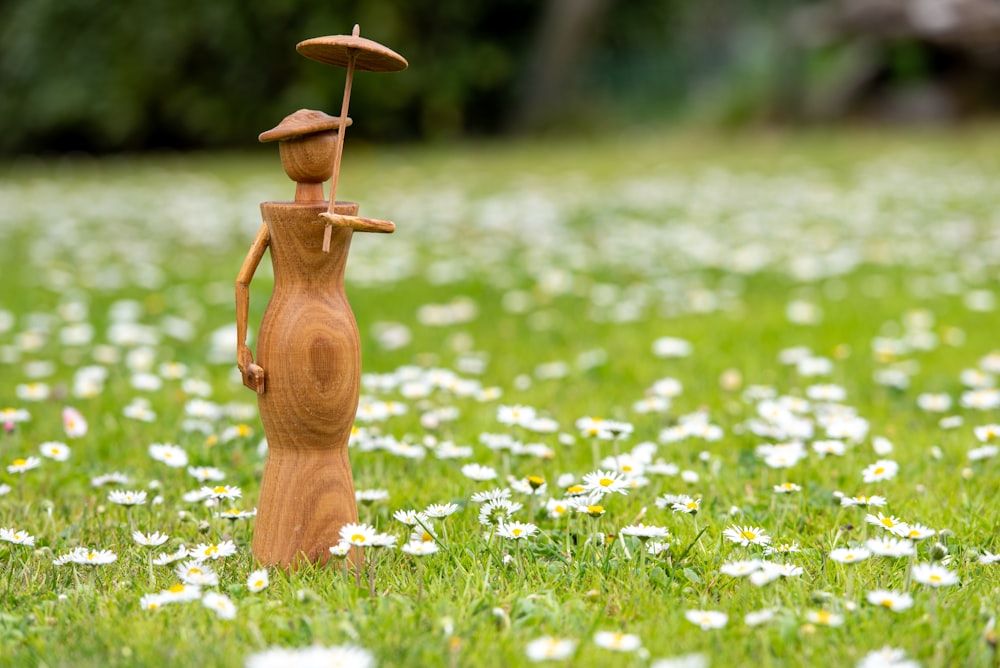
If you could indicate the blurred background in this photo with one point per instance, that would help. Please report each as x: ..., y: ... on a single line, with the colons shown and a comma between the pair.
x: 102, y: 77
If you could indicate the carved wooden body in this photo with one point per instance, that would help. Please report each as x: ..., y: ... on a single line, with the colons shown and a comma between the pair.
x: 309, y: 347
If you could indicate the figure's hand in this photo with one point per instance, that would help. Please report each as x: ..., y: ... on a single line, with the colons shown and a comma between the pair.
x: 253, y: 375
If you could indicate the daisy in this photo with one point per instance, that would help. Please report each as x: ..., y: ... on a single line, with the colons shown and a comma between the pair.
x: 740, y: 568
x: 234, y: 432
x: 887, y: 657
x: 220, y: 492
x: 516, y: 530
x: 440, y: 510
x: 862, y: 500
x: 895, y: 601
x: 883, y: 469
x: 16, y: 537
x: 21, y: 465
x: 236, y: 514
x: 410, y: 517
x: 934, y: 575
x: 206, y: 473
x: 172, y: 455
x: 890, y: 522
x: 74, y: 423
x: 987, y: 558
x: 220, y: 603
x: 547, y: 647
x: 669, y: 346
x: 33, y: 391
x: 420, y: 548
x: 383, y: 540
x: 917, y: 532
x: 114, y: 478
x: 358, y: 535
x: 934, y: 402
x: 605, y: 482
x: 782, y: 548
x: 54, y: 450
x: 984, y: 399
x: 787, y: 488
x: 685, y: 504
x: 619, y: 642
x: 315, y: 655
x: 758, y: 617
x: 594, y: 511
x: 824, y: 617
x: 490, y: 495
x: 180, y: 593
x: 496, y: 512
x: 93, y: 557
x: 258, y: 580
x: 846, y: 555
x: 829, y: 447
x: 369, y: 496
x: 150, y: 540
x: 151, y: 602
x: 657, y: 547
x: 196, y: 573
x: 747, y: 535
x: 341, y: 549
x: 707, y: 619
x: 127, y: 498
x: 206, y: 551
x: 515, y: 415
x: 987, y: 432
x: 890, y: 547
x: 479, y: 472
x: 644, y: 532
x: 165, y: 558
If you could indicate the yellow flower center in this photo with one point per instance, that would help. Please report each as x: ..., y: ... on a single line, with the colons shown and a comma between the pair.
x: 885, y: 602
x: 242, y: 430
x: 823, y: 617
x: 574, y: 489
x: 211, y: 550
x: 176, y: 589
x: 887, y: 521
x: 935, y: 578
x: 516, y: 532
x: 606, y: 482
x: 691, y: 505
x: 358, y: 538
x: 221, y: 489
x: 20, y: 462
x: 749, y: 535
x: 879, y: 471
x: 258, y: 583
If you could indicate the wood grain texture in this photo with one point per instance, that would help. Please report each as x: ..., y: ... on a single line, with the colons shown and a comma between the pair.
x: 310, y: 352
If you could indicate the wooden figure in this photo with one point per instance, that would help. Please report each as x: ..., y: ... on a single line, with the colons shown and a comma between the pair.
x: 308, y: 367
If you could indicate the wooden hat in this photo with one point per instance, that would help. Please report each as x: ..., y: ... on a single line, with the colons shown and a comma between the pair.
x: 302, y: 122
x: 337, y: 49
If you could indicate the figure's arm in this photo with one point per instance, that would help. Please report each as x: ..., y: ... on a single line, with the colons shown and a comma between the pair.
x: 253, y: 375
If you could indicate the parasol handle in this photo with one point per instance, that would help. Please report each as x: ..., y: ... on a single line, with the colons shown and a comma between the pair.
x: 352, y: 56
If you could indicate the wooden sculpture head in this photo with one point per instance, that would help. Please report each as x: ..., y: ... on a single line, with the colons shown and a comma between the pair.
x: 307, y: 141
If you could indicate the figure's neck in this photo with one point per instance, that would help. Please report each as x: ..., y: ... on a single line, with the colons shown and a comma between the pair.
x: 309, y: 192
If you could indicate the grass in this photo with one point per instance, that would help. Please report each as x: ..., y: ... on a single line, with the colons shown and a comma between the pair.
x: 877, y: 253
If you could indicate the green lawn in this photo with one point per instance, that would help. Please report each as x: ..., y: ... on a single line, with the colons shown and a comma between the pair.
x: 837, y: 293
